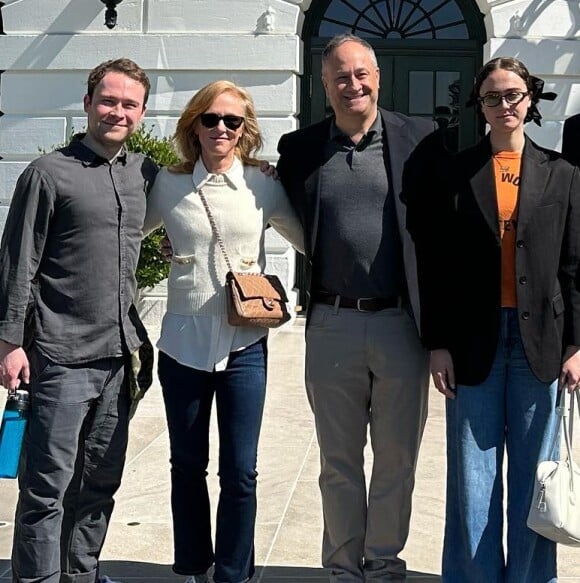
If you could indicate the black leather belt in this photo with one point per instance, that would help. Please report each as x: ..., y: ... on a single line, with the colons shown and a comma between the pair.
x: 360, y: 304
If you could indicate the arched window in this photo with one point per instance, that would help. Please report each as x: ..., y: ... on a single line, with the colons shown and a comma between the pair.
x: 395, y: 19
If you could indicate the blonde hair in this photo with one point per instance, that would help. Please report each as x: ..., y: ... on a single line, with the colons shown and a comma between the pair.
x: 186, y: 140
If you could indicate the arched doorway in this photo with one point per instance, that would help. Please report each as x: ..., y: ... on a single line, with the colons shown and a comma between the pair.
x: 428, y: 52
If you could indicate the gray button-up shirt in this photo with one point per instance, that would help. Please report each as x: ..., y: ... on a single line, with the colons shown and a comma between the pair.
x: 69, y: 253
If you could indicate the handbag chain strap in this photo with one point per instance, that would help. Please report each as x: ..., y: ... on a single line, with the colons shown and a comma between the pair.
x: 214, y: 229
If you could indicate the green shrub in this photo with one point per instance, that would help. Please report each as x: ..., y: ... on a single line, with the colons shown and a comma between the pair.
x: 152, y: 268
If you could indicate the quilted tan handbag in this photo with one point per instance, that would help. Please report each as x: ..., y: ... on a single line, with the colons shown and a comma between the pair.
x: 555, y: 509
x: 254, y: 299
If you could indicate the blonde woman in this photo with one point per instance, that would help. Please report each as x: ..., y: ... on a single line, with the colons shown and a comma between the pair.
x: 200, y: 354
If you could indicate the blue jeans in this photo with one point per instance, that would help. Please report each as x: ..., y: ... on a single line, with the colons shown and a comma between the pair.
x: 511, y: 409
x: 240, y: 391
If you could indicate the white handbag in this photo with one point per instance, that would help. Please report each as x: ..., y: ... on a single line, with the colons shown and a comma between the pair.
x: 555, y: 508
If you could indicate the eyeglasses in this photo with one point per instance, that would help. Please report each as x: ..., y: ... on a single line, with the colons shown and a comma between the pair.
x: 511, y: 98
x: 211, y: 120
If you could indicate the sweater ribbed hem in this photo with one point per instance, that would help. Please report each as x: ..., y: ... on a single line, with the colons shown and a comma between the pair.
x: 186, y: 302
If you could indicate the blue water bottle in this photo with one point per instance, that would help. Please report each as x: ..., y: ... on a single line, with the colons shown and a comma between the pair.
x: 12, y: 432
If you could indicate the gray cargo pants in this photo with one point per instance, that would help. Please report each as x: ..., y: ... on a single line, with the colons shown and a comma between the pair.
x: 72, y: 462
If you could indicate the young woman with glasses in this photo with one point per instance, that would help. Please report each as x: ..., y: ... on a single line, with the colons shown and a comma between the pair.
x: 200, y: 354
x: 497, y: 249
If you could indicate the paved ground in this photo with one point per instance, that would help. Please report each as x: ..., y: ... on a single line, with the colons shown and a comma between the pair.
x: 138, y: 548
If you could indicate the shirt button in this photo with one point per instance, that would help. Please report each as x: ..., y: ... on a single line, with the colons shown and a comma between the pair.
x: 523, y: 280
x: 520, y: 244
x: 525, y: 315
x: 246, y: 263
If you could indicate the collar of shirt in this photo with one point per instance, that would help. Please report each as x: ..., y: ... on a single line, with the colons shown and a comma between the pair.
x: 90, y: 158
x: 336, y: 134
x: 234, y: 177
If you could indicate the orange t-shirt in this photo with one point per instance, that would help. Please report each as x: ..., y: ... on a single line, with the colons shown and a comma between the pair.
x: 507, y: 179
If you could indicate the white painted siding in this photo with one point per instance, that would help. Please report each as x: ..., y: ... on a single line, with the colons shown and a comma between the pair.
x: 192, y: 51
x: 62, y: 91
x: 556, y: 19
x: 17, y: 133
x: 9, y: 173
x: 139, y: 16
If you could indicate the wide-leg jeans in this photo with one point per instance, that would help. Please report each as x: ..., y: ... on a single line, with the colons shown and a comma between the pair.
x: 511, y: 410
x: 188, y: 393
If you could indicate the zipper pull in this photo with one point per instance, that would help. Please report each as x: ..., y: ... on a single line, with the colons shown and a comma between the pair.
x: 541, y: 503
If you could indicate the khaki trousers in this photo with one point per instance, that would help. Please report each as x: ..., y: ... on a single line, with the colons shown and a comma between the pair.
x: 366, y: 370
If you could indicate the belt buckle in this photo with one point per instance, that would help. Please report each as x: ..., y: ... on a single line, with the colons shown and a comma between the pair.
x: 358, y: 305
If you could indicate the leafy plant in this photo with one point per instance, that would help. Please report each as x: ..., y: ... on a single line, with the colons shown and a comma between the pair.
x: 152, y: 268
x: 160, y: 150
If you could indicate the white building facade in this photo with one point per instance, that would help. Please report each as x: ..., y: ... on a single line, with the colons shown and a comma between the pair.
x: 428, y: 51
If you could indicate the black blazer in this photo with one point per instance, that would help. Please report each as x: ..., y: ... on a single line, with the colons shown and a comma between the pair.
x: 455, y: 226
x: 571, y: 139
x: 302, y: 156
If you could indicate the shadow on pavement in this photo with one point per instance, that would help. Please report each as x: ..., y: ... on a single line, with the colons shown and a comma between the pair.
x: 287, y: 574
x: 138, y: 572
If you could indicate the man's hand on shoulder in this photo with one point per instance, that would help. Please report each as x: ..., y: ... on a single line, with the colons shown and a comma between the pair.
x: 268, y: 169
x: 14, y: 367
x: 166, y: 249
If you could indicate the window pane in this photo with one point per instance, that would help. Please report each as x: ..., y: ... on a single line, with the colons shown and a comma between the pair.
x: 421, y: 92
x: 447, y: 104
x: 446, y: 89
x: 457, y: 31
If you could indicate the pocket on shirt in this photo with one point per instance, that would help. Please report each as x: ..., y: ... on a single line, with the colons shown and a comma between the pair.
x: 182, y: 274
x: 558, y: 304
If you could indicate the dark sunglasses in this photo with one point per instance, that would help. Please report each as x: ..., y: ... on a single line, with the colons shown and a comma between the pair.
x: 511, y: 98
x: 211, y: 120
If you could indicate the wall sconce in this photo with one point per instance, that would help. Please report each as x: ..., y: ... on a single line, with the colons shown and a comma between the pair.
x: 111, y: 13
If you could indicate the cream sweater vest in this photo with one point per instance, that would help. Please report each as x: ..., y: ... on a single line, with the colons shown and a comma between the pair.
x: 243, y: 202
